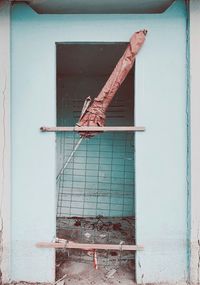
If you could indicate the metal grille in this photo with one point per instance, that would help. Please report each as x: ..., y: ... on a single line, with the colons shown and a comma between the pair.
x: 99, y: 179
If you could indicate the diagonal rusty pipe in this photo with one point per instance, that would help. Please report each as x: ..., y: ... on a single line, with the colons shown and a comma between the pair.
x: 95, y: 113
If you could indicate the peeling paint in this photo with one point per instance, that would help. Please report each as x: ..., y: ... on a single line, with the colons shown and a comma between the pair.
x: 188, y: 169
x: 195, y: 141
x: 2, y: 171
x: 4, y: 140
x: 198, y: 264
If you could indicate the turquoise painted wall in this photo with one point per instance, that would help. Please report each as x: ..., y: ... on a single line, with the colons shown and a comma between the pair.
x: 160, y: 151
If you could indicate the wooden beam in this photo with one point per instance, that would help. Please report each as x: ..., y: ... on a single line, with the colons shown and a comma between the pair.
x: 88, y: 246
x: 92, y: 129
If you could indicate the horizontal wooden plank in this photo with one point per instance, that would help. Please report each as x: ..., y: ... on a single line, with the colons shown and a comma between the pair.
x: 92, y: 129
x: 87, y: 246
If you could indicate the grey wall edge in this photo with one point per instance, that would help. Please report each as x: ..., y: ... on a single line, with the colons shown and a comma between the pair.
x: 195, y: 141
x: 98, y: 6
x: 4, y: 141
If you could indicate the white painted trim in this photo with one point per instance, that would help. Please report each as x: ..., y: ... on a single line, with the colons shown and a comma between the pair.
x: 195, y: 139
x: 5, y: 139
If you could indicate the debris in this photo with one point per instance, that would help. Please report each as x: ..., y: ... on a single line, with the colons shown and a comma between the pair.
x: 107, y: 259
x: 111, y: 273
x: 102, y: 235
x: 77, y: 223
x: 87, y: 235
x: 60, y: 240
x: 113, y: 253
x: 117, y: 227
x: 61, y: 281
x: 90, y: 253
x: 95, y: 260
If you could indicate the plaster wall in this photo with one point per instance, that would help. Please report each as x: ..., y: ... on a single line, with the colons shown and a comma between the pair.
x: 195, y: 138
x: 161, y: 189
x: 161, y: 194
x: 5, y: 140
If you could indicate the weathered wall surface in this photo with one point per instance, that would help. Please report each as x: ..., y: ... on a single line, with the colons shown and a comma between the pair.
x: 5, y: 140
x: 161, y: 188
x: 195, y: 138
x: 161, y: 192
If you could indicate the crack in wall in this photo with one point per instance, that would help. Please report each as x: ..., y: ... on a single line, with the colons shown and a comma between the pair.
x: 198, y: 263
x: 188, y: 146
x: 142, y: 275
x: 2, y: 171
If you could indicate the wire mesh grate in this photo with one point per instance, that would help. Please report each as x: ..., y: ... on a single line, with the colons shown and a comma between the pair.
x: 99, y: 178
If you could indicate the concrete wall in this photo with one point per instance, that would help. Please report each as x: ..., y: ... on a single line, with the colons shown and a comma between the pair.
x: 5, y: 140
x: 161, y: 188
x: 195, y: 138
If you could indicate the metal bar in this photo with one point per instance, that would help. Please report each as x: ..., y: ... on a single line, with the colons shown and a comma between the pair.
x: 87, y: 246
x: 92, y: 129
x: 69, y: 159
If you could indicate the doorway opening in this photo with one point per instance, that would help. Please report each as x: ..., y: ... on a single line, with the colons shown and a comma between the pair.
x: 95, y: 191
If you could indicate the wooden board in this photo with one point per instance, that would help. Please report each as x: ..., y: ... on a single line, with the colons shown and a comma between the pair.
x: 84, y: 246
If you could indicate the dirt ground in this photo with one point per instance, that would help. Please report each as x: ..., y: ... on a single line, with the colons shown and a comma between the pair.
x: 85, y: 274
x: 114, y: 267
